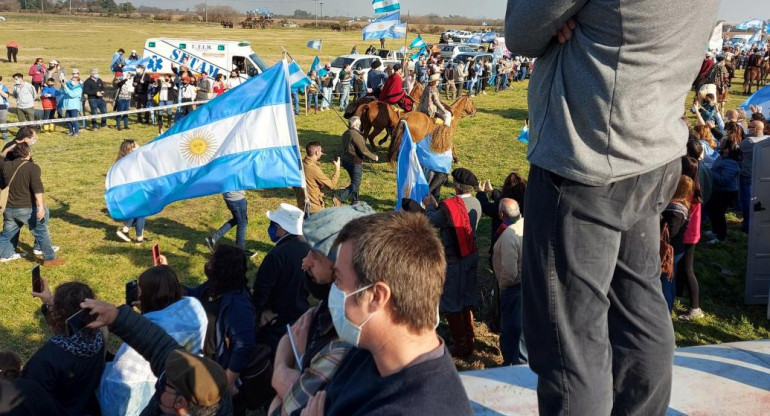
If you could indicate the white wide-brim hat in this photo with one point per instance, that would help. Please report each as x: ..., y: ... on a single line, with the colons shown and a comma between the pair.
x: 288, y: 217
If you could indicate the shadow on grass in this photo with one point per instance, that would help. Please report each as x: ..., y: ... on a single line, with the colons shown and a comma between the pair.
x: 509, y: 113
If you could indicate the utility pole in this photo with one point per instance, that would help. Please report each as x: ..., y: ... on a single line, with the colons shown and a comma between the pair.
x: 206, y: 13
x: 316, y: 14
x: 322, y: 10
x: 70, y: 6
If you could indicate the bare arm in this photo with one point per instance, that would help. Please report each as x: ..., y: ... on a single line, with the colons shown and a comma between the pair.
x: 40, y: 206
x: 530, y: 26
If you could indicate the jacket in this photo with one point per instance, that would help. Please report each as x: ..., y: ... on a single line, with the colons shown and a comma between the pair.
x: 354, y: 148
x: 25, y: 95
x: 37, y: 72
x: 724, y: 173
x: 71, y: 95
x: 315, y: 183
x: 431, y: 104
x: 141, y: 84
x: 591, y: 99
x: 93, y: 86
x: 507, y: 258
x: 48, y: 98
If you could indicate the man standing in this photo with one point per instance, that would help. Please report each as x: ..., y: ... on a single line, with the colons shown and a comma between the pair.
x: 449, y: 79
x: 237, y: 204
x: 93, y: 89
x: 354, y: 151
x: 279, y: 294
x: 326, y: 76
x: 506, y: 263
x: 459, y: 77
x: 597, y: 328
x: 315, y: 178
x: 205, y: 88
x: 457, y: 219
x: 26, y: 205
x: 756, y: 135
x: 117, y: 64
x: 346, y: 76
x: 142, y: 83
x: 25, y: 96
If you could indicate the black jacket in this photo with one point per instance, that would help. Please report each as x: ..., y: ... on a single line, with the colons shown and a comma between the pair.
x: 26, y: 398
x: 141, y: 84
x: 91, y: 87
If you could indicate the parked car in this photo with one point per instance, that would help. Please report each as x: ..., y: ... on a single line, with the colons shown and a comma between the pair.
x: 449, y: 51
x: 390, y: 57
x: 477, y: 56
x: 354, y: 60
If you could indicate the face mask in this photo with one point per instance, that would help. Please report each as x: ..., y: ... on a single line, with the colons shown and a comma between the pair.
x: 16, y: 82
x: 95, y: 76
x: 346, y: 330
x: 272, y: 229
x: 319, y: 291
x: 32, y: 141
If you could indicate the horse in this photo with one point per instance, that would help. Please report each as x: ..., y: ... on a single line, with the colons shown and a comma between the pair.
x: 377, y: 116
x: 420, y: 125
x: 752, y: 74
x: 765, y: 70
x: 350, y: 110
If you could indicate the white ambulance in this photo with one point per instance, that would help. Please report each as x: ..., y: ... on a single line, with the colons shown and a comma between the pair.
x: 212, y: 56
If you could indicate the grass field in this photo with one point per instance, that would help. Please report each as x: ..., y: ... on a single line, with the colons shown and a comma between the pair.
x: 74, y: 172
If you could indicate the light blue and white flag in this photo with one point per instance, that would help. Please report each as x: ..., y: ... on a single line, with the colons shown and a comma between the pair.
x: 418, y: 53
x: 385, y: 6
x: 437, y: 162
x: 756, y: 23
x: 417, y: 43
x: 398, y: 31
x: 474, y: 40
x: 490, y: 36
x: 131, y: 64
x: 316, y: 65
x: 244, y: 139
x: 760, y: 99
x: 314, y: 44
x: 524, y: 135
x: 297, y: 78
x: 380, y: 28
x: 410, y: 178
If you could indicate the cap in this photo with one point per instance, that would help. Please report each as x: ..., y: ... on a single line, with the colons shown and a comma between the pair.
x: 133, y: 50
x: 197, y: 379
x: 464, y: 176
x: 288, y: 217
x: 321, y: 229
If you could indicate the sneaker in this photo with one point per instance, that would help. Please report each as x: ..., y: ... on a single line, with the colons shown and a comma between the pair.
x: 210, y: 243
x: 15, y: 256
x: 691, y: 315
x: 123, y: 236
x: 337, y: 201
x: 40, y: 252
x: 54, y: 262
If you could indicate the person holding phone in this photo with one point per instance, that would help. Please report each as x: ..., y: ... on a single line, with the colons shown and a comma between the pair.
x: 128, y: 376
x: 69, y: 365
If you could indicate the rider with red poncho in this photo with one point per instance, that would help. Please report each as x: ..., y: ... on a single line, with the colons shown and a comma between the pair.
x: 393, y: 90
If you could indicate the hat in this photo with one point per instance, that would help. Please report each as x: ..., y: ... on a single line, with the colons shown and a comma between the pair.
x: 133, y: 50
x: 321, y: 229
x: 53, y: 62
x: 197, y: 379
x: 396, y: 67
x: 140, y: 66
x: 434, y: 77
x: 464, y: 176
x: 376, y: 64
x: 288, y: 217
x: 710, y: 54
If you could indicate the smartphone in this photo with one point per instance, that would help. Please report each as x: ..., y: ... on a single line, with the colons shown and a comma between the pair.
x: 132, y: 292
x: 37, y: 284
x: 78, y: 321
x: 155, y: 255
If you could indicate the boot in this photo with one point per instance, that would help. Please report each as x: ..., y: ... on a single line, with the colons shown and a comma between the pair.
x: 470, y: 335
x: 460, y: 348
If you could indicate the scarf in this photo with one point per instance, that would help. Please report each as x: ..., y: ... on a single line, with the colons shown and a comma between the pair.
x: 461, y: 222
x: 80, y: 344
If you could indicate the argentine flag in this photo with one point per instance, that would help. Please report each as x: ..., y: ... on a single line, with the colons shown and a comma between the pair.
x: 385, y: 6
x: 316, y: 65
x: 437, y: 162
x: 243, y: 139
x: 417, y: 43
x: 410, y: 178
x: 398, y: 31
x: 751, y: 24
x: 489, y: 37
x: 380, y: 28
x: 314, y: 44
x: 131, y: 64
x: 297, y: 78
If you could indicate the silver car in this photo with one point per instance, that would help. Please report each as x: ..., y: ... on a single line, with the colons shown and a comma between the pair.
x: 449, y: 51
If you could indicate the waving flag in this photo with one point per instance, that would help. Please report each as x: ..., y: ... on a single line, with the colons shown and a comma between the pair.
x: 438, y: 162
x: 131, y: 64
x: 418, y: 53
x: 751, y: 24
x: 489, y: 37
x: 760, y: 99
x: 316, y: 65
x: 474, y: 40
x: 314, y: 44
x: 417, y: 43
x: 243, y: 139
x: 385, y: 6
x: 297, y: 78
x: 410, y: 178
x: 524, y: 135
x: 380, y: 28
x: 398, y: 31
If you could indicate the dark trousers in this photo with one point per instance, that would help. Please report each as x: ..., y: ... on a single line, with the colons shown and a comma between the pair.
x: 98, y: 106
x: 510, y: 325
x: 356, y: 172
x: 240, y: 219
x: 435, y: 181
x: 597, y: 330
x: 122, y: 105
x: 12, y: 53
x: 716, y: 209
x: 141, y: 102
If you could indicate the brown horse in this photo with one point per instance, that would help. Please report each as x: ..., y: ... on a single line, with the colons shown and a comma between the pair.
x: 752, y: 75
x: 765, y: 71
x: 377, y: 116
x: 420, y: 125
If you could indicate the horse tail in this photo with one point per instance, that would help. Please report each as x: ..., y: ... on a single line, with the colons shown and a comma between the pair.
x: 395, y: 142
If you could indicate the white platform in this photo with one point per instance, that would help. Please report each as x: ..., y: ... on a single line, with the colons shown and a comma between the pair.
x: 726, y: 379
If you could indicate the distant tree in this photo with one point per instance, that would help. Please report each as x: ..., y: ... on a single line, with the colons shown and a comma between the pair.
x: 301, y: 14
x: 216, y: 13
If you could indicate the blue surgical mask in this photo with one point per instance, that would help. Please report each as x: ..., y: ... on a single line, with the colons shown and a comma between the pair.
x: 272, y: 229
x: 346, y: 330
x: 95, y: 76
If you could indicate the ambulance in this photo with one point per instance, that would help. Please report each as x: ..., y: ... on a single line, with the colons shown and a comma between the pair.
x: 210, y: 56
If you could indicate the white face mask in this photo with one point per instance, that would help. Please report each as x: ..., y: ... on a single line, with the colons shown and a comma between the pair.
x: 346, y: 330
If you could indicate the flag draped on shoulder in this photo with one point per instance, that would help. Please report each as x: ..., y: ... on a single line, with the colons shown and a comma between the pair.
x: 243, y: 139
x: 315, y: 44
x: 381, y: 28
x: 297, y: 79
x: 385, y: 6
x: 410, y: 178
x: 417, y: 43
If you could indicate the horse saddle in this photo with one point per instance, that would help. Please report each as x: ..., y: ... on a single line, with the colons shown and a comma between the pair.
x: 398, y: 110
x: 438, y: 121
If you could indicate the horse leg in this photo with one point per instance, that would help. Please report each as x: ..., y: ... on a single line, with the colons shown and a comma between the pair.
x: 376, y: 131
x: 388, y: 134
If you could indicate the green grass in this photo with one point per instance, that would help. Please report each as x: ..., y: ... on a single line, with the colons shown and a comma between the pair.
x: 74, y: 172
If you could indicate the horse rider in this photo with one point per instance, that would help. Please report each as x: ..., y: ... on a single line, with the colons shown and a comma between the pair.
x: 431, y: 104
x: 393, y: 90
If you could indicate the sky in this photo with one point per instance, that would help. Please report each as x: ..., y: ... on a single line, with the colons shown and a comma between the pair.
x: 730, y: 10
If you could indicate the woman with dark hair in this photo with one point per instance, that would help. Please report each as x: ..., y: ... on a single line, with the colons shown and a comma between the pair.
x: 676, y: 216
x: 725, y: 173
x: 128, y: 382
x: 684, y: 270
x: 514, y: 188
x: 68, y: 365
x: 231, y: 333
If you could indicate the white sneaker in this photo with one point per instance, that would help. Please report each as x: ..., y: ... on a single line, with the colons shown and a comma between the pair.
x: 123, y: 235
x: 15, y: 256
x: 40, y: 252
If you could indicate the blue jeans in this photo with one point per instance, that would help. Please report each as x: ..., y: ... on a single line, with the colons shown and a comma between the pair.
x: 345, y: 97
x: 356, y: 171
x: 122, y: 105
x: 510, y: 325
x: 98, y: 106
x: 523, y: 72
x: 312, y: 100
x: 669, y: 287
x: 73, y: 126
x: 48, y: 114
x: 138, y: 222
x: 240, y: 219
x: 295, y: 100
x: 744, y: 196
x: 13, y: 220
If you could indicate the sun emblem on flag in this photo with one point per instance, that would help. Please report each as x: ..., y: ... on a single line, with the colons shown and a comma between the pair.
x: 198, y: 147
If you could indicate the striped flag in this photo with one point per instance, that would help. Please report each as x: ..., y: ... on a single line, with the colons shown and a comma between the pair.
x: 380, y: 28
x: 385, y: 6
x: 418, y: 53
x: 243, y: 139
x: 314, y: 44
x: 417, y: 43
x: 297, y: 78
x: 410, y: 178
x: 490, y: 36
x: 398, y: 31
x: 316, y: 65
x: 755, y: 23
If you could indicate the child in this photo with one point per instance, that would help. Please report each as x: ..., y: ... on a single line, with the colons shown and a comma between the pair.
x: 48, y: 99
x: 10, y: 365
x: 708, y: 110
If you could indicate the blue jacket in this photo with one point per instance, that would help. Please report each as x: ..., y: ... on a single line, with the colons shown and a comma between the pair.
x: 725, y: 173
x: 71, y: 96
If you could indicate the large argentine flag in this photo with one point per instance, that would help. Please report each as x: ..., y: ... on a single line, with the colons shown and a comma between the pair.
x: 756, y: 23
x: 385, y: 6
x: 761, y: 99
x: 438, y: 162
x: 410, y: 178
x: 243, y: 139
x: 380, y: 28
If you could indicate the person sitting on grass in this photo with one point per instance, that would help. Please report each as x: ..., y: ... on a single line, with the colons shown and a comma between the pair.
x: 19, y: 397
